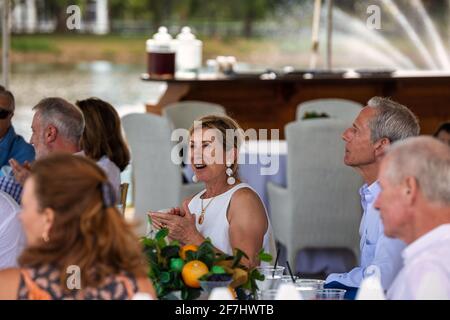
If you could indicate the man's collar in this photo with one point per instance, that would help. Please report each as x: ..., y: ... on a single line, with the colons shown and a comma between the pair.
x: 9, y: 133
x: 370, y: 191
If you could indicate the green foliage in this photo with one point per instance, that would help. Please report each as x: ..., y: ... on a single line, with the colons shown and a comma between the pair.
x: 218, y: 270
x: 263, y: 256
x: 32, y: 44
x: 314, y: 115
x: 166, y: 265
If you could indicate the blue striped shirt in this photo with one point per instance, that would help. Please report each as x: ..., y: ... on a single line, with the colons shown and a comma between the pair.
x: 9, y: 185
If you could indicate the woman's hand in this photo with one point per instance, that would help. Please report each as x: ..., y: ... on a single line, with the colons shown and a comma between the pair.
x: 180, y: 223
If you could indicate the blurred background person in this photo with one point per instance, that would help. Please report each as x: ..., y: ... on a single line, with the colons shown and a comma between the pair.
x: 414, y: 203
x: 102, y: 138
x: 443, y: 133
x: 12, y: 145
x: 12, y: 238
x: 70, y: 219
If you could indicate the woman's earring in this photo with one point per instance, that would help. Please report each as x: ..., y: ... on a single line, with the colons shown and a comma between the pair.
x: 230, y: 180
x: 194, y: 178
x: 45, y: 237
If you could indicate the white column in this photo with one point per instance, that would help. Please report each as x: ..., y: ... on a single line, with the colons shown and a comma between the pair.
x: 31, y: 20
x: 17, y: 17
x: 315, y: 34
x: 101, y: 17
x: 6, y: 26
x: 329, y: 60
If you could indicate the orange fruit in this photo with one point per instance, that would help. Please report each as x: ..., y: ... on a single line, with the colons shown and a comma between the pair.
x: 186, y: 248
x: 192, y: 271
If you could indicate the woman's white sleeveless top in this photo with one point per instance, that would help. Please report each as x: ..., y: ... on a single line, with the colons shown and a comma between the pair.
x: 215, y: 223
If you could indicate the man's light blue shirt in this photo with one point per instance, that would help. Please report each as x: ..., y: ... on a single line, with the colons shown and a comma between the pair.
x: 376, y: 248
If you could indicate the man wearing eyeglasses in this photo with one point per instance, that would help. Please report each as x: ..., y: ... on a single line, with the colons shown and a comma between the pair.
x: 12, y: 145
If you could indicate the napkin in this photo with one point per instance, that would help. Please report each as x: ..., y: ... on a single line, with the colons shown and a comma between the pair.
x: 287, y: 291
x: 371, y: 288
x: 141, y: 296
x: 221, y: 293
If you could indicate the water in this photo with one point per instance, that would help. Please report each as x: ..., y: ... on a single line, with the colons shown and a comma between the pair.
x: 309, y: 287
x: 270, y: 283
x: 428, y: 51
x: 357, y: 35
x: 120, y: 85
x: 434, y: 35
x: 412, y: 34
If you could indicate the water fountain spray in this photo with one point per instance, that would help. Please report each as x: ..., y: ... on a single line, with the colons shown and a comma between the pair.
x: 434, y: 35
x: 378, y: 45
x: 412, y: 34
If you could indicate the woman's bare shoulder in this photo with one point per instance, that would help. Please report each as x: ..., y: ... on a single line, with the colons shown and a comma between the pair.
x: 9, y: 283
x: 246, y: 194
x: 245, y: 199
x: 146, y: 286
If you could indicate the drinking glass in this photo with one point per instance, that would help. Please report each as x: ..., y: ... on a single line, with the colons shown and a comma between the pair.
x: 330, y: 294
x: 308, y: 287
x: 272, y: 277
x: 268, y: 294
x: 288, y: 279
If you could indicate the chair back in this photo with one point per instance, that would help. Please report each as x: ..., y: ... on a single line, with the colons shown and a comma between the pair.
x: 157, y: 178
x: 346, y: 110
x: 182, y: 114
x: 123, y: 196
x: 323, y: 190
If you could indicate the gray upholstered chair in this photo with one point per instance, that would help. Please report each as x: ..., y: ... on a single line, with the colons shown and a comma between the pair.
x: 346, y: 110
x: 157, y: 178
x: 182, y: 114
x: 320, y: 208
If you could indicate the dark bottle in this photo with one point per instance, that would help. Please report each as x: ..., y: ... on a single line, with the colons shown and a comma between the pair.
x: 161, y: 55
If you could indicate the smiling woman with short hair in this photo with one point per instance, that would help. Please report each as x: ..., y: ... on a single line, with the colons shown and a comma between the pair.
x: 228, y: 211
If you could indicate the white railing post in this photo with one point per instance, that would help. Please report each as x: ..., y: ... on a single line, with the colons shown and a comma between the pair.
x: 6, y: 25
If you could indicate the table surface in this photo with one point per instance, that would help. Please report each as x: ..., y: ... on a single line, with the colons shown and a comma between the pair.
x: 348, y: 75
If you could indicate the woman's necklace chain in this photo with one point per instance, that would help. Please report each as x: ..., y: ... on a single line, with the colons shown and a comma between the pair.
x: 201, y: 218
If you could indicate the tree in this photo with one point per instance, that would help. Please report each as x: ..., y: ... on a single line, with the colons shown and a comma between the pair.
x: 250, y: 11
x: 58, y: 9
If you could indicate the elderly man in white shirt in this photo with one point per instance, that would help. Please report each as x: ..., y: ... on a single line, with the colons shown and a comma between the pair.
x: 12, y: 238
x: 415, y: 207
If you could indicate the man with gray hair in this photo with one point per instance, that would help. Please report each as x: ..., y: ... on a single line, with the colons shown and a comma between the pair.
x: 378, y: 125
x: 414, y: 203
x: 57, y: 127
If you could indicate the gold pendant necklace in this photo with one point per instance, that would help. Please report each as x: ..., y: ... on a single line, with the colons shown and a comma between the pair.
x: 201, y: 218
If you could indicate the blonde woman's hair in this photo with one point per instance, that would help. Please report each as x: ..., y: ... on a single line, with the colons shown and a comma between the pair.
x: 231, y: 131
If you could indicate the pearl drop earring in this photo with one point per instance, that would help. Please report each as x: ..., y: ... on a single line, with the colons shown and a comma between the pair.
x: 230, y: 180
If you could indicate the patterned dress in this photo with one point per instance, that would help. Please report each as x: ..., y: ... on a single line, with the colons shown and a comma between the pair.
x: 43, y: 283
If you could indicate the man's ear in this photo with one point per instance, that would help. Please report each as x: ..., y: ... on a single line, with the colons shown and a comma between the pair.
x: 51, y: 133
x: 381, y: 147
x: 410, y: 189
